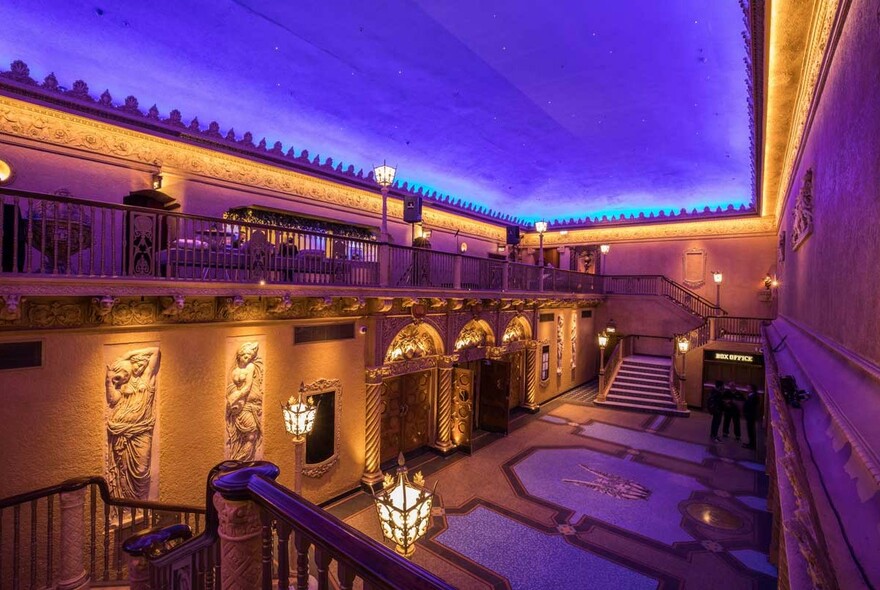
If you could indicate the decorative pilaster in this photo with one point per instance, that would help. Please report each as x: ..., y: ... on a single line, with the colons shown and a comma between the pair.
x: 444, y: 442
x: 73, y: 575
x: 372, y: 442
x: 138, y: 573
x: 240, y: 543
x: 531, y: 376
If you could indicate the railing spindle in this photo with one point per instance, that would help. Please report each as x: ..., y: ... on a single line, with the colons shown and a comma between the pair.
x: 301, y: 544
x: 322, y: 564
x: 106, y: 575
x: 283, y: 556
x: 33, y: 551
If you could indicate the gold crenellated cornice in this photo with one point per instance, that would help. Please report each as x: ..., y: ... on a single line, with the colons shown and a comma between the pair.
x: 59, y: 129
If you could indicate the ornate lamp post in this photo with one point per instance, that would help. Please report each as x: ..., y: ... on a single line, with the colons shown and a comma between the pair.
x: 683, y: 343
x: 717, y: 277
x: 603, y: 342
x: 384, y: 176
x: 299, y: 419
x: 541, y: 227
x: 404, y: 508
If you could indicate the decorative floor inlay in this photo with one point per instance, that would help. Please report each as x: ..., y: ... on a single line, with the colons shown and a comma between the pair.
x: 603, y: 504
x: 714, y: 516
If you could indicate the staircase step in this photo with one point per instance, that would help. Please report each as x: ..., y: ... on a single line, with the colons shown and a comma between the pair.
x: 644, y: 370
x: 641, y: 401
x: 642, y: 383
x: 643, y: 409
x: 643, y: 376
x: 665, y: 395
x: 652, y: 361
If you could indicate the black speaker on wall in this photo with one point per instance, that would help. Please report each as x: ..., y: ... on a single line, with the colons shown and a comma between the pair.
x: 412, y: 208
x: 513, y: 235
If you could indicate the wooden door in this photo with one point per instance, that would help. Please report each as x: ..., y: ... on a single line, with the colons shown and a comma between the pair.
x: 494, y: 412
x: 462, y: 407
x: 406, y: 414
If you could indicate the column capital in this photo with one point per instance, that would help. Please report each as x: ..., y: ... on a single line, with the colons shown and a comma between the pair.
x: 445, y: 361
x: 376, y: 374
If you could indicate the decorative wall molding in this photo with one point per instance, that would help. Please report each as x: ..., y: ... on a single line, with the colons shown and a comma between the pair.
x: 816, y: 62
x: 693, y: 267
x: 560, y: 331
x: 802, y: 224
x: 316, y: 470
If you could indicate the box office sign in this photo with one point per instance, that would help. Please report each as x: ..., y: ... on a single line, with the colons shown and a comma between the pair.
x: 740, y: 358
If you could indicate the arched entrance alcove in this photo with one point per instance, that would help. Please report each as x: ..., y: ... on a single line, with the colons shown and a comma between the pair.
x: 408, y: 399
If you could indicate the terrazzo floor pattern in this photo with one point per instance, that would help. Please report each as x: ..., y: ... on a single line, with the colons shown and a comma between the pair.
x: 584, y: 497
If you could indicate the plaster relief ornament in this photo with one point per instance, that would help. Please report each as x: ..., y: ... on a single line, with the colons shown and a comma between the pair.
x: 130, y: 386
x: 802, y: 226
x: 411, y: 342
x: 560, y: 328
x: 11, y: 310
x: 102, y: 307
x: 612, y: 485
x: 244, y: 405
x: 573, y: 337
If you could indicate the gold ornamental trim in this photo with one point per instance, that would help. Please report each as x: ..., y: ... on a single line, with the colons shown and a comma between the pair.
x: 20, y: 119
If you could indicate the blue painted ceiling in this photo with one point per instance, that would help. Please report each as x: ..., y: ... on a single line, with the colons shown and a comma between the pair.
x: 537, y: 109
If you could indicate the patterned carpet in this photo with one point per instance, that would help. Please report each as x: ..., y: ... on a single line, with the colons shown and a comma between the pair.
x: 584, y: 497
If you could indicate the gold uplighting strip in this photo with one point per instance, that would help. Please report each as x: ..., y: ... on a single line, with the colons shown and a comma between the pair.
x: 792, y: 90
x: 739, y: 226
x: 20, y: 119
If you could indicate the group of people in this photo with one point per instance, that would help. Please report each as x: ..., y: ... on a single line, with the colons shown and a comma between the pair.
x: 724, y: 404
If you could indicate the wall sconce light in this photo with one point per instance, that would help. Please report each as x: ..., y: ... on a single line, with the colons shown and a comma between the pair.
x: 611, y: 328
x: 563, y: 232
x: 770, y: 282
x: 717, y: 276
x: 157, y: 181
x: 6, y: 172
x: 463, y: 247
x: 502, y: 248
x: 605, y: 248
x: 426, y: 233
x: 404, y: 508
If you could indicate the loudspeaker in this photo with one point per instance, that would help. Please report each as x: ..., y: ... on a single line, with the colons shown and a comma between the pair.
x: 412, y: 208
x: 513, y: 235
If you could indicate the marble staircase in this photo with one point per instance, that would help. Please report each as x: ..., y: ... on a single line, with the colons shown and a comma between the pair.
x: 642, y: 385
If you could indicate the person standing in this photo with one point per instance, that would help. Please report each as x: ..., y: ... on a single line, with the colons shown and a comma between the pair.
x: 715, y: 406
x: 731, y: 398
x: 750, y: 413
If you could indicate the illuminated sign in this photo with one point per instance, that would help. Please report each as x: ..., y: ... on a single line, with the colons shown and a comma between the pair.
x: 742, y: 358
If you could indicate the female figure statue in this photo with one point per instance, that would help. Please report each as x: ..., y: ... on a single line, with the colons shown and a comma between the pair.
x: 130, y: 385
x: 244, y: 404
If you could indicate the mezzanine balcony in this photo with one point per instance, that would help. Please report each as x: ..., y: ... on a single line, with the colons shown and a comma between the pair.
x: 50, y: 240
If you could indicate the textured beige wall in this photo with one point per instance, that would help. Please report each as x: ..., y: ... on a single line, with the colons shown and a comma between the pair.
x: 831, y: 282
x: 53, y: 416
x: 744, y: 261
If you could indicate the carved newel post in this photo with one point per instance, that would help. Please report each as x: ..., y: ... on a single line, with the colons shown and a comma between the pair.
x: 531, y: 376
x: 444, y: 404
x: 73, y: 574
x: 372, y: 441
x: 240, y: 526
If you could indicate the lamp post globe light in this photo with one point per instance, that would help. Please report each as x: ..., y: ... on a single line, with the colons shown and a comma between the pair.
x: 541, y: 227
x: 717, y: 276
x: 299, y: 419
x: 404, y: 508
x: 384, y: 177
x: 603, y: 250
x: 683, y: 344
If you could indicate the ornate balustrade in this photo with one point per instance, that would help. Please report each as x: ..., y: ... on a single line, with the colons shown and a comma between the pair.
x: 65, y: 535
x: 738, y: 329
x: 60, y: 236
x: 260, y: 534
